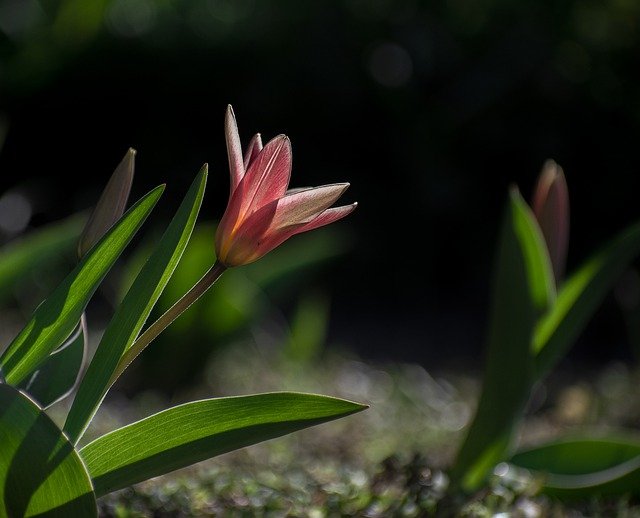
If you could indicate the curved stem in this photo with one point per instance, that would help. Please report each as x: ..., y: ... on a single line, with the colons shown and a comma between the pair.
x: 198, y: 289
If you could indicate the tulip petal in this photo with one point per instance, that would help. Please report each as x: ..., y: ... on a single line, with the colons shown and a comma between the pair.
x: 287, y: 213
x: 234, y: 149
x: 301, y: 206
x: 328, y: 216
x: 267, y: 178
x: 253, y: 150
x: 238, y: 246
x: 276, y: 236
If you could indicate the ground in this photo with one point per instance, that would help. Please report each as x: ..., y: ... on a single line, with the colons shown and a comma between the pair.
x: 390, y: 460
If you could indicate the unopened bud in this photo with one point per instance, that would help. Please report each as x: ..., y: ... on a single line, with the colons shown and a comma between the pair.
x: 551, y: 208
x: 111, y: 204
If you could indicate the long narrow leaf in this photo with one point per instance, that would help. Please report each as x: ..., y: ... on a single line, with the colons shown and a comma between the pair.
x: 579, y: 297
x: 521, y: 288
x: 580, y: 468
x: 196, y: 431
x: 134, y: 310
x: 55, y: 319
x: 59, y: 373
x: 40, y: 472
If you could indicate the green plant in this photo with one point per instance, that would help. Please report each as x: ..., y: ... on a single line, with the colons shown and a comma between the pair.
x: 43, y: 470
x: 532, y: 325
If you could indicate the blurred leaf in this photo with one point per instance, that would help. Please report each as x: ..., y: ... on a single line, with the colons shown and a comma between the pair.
x: 25, y: 255
x: 40, y: 472
x: 240, y: 294
x: 583, y: 468
x: 134, y: 310
x: 196, y: 431
x: 57, y: 376
x: 55, y: 319
x: 519, y: 290
x: 308, y: 327
x: 298, y: 255
x: 111, y: 204
x: 77, y: 21
x: 579, y: 297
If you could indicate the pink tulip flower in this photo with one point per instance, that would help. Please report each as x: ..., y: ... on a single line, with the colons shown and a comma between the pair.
x: 551, y: 208
x: 262, y: 213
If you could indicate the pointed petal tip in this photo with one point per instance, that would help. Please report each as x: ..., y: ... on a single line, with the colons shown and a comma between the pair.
x: 230, y: 116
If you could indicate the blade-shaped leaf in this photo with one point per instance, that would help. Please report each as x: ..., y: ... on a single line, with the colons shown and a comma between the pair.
x: 57, y: 376
x: 56, y: 318
x: 579, y: 468
x: 134, y: 310
x: 24, y: 255
x: 196, y: 431
x: 40, y: 472
x: 522, y: 286
x: 579, y: 297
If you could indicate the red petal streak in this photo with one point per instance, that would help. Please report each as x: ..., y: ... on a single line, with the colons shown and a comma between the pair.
x: 253, y: 149
x: 234, y: 149
x: 275, y: 236
x: 268, y: 176
x: 239, y: 246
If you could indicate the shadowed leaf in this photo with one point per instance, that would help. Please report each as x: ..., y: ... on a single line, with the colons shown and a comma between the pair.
x: 40, y: 472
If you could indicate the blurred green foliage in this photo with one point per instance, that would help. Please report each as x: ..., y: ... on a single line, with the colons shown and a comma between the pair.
x: 429, y: 108
x: 241, y: 299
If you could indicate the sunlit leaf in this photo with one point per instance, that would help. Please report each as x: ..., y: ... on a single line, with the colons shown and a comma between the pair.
x: 522, y: 286
x: 134, y: 310
x: 583, y: 468
x: 56, y: 318
x: 57, y: 376
x: 579, y: 297
x: 40, y: 472
x: 196, y: 431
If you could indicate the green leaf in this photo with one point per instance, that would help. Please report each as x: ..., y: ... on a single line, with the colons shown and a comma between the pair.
x: 56, y: 318
x: 308, y: 328
x: 134, y: 310
x: 579, y: 297
x: 57, y: 376
x: 40, y: 472
x: 196, y: 431
x: 581, y: 468
x: 25, y: 255
x: 521, y: 288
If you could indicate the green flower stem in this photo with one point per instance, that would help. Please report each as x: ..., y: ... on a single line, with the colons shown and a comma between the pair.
x: 198, y: 289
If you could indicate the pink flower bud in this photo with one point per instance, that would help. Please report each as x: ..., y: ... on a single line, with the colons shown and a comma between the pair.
x: 551, y: 208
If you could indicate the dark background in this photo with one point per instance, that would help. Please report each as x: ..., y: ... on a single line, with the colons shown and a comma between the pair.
x: 429, y: 109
